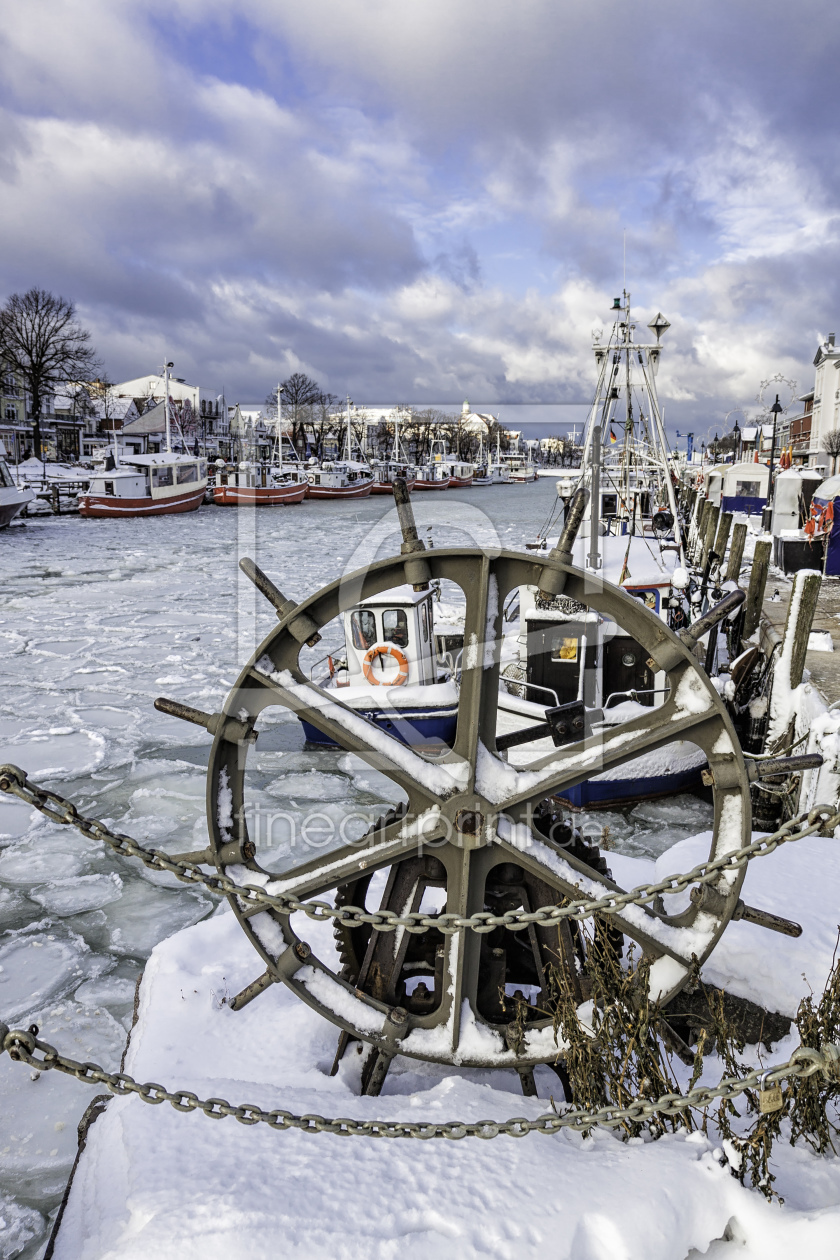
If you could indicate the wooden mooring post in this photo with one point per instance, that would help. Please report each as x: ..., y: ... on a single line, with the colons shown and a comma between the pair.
x: 703, y: 506
x: 709, y: 534
x: 800, y: 618
x: 736, y: 552
x: 722, y: 538
x: 758, y: 581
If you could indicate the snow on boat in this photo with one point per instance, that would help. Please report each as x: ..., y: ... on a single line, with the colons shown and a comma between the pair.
x: 460, y: 474
x: 146, y: 485
x: 390, y: 672
x: 257, y: 485
x: 340, y: 479
x: 13, y: 498
x: 434, y: 476
x: 384, y: 474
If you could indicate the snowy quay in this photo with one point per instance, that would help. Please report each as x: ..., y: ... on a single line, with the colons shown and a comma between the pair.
x: 128, y: 968
x: 822, y: 660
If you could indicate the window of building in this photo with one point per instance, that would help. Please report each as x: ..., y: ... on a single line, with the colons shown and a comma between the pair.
x: 363, y: 627
x: 395, y: 627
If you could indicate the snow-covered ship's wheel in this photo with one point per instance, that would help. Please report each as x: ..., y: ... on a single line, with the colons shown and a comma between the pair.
x: 474, y: 829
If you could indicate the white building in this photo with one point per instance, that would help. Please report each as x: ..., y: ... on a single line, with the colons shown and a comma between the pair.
x: 825, y: 414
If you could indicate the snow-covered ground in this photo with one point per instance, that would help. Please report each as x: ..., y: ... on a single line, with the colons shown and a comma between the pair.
x: 96, y: 619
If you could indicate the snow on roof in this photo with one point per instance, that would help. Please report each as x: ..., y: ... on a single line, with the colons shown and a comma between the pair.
x: 398, y: 595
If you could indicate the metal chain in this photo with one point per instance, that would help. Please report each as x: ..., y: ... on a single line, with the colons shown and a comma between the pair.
x: 250, y: 896
x: 803, y: 1062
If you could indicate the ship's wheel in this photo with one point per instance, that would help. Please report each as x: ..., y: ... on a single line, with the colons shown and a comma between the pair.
x: 475, y: 835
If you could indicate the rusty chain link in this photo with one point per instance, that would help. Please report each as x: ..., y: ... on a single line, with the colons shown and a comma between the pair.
x: 14, y: 781
x: 803, y: 1062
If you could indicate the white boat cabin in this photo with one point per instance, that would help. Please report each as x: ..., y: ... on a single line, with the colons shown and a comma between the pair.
x: 164, y: 476
x: 568, y: 653
x: 339, y: 474
x: 390, y: 641
x: 254, y: 476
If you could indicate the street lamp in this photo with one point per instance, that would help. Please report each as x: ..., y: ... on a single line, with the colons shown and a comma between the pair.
x: 776, y: 410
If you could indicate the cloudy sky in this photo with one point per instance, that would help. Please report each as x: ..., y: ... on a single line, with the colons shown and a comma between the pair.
x: 422, y: 200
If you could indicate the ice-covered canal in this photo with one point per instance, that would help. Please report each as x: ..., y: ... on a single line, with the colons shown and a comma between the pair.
x: 97, y: 618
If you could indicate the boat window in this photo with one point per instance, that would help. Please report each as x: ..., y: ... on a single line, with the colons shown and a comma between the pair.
x: 609, y: 505
x: 564, y: 648
x: 395, y: 627
x: 109, y: 487
x: 424, y: 621
x: 5, y: 476
x: 363, y: 625
x: 202, y: 468
x: 747, y: 489
x: 187, y: 472
x: 161, y: 476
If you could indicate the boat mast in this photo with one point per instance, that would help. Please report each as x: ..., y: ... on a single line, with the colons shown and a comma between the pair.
x: 349, y: 446
x: 280, y: 428
x: 166, y: 368
x: 397, y: 436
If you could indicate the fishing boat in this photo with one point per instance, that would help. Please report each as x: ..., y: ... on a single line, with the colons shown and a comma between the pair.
x: 13, y: 498
x: 432, y: 476
x: 633, y: 538
x: 461, y: 474
x: 394, y: 671
x: 146, y: 485
x: 341, y: 478
x: 384, y: 471
x: 498, y: 469
x: 257, y: 485
x: 521, y: 469
x: 262, y: 483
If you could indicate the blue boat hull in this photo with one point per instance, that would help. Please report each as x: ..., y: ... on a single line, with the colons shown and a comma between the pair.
x: 432, y: 728
x: 435, y: 728
x: 610, y: 793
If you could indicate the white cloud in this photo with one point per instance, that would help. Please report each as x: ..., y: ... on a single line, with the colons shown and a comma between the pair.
x: 425, y: 199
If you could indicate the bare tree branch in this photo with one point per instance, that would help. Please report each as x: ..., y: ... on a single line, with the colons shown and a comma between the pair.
x: 41, y: 340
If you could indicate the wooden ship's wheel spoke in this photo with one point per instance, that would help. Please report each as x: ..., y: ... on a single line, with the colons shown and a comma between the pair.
x: 476, y: 835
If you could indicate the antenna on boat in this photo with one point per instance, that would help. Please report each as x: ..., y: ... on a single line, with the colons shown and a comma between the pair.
x: 166, y: 368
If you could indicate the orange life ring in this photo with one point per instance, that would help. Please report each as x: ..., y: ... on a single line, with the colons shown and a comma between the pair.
x: 399, y: 657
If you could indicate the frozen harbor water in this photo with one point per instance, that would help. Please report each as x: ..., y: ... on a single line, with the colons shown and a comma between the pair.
x: 97, y: 618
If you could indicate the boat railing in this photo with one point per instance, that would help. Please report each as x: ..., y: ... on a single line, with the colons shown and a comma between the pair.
x: 632, y: 694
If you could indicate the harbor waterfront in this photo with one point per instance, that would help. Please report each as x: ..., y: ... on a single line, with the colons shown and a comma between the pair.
x: 97, y: 619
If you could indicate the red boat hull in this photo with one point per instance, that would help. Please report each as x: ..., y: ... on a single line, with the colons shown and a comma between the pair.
x: 387, y: 487
x: 110, y: 505
x: 260, y: 496
x: 432, y: 485
x: 460, y: 483
x: 340, y: 492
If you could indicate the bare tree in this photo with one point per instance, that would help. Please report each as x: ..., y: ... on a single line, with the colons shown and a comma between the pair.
x: 831, y: 446
x: 41, y: 339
